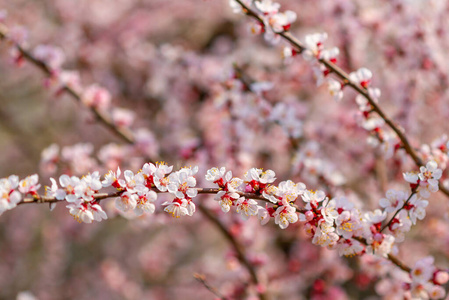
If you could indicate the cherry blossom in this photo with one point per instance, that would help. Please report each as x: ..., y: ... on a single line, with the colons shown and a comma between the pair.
x: 98, y: 213
x: 81, y: 213
x: 282, y: 21
x: 69, y: 184
x: 53, y: 56
x: 9, y: 196
x: 314, y: 45
x: 285, y: 215
x: 394, y: 200
x: 29, y: 185
x: 177, y: 208
x: 400, y: 225
x: 112, y: 178
x: 430, y: 174
x: 235, y: 104
x: 313, y: 197
x: 247, y: 207
x: 417, y: 208
x: 362, y: 76
x: 267, y: 7
x: 219, y: 176
x: 96, y: 97
x: 88, y: 186
x: 126, y: 201
x: 257, y: 180
x: 335, y: 89
x: 55, y: 191
x: 145, y: 203
x: 182, y: 183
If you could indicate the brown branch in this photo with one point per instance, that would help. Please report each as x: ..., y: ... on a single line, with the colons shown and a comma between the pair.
x: 239, y: 249
x: 101, y: 196
x: 390, y: 257
x: 123, y: 133
x: 357, y: 87
x: 399, y: 263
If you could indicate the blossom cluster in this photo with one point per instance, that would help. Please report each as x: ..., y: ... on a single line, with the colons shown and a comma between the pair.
x: 12, y: 190
x: 257, y: 182
x: 334, y: 223
x: 79, y: 193
x: 137, y: 192
x: 273, y: 21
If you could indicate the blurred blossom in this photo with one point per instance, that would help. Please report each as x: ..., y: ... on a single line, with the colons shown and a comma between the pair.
x: 26, y: 296
x: 123, y: 117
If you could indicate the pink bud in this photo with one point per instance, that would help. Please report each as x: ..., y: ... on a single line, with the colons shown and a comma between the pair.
x: 378, y: 237
x: 96, y: 97
x: 261, y: 288
x: 441, y: 277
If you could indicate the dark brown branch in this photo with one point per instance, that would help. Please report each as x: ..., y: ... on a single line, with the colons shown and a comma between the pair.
x: 399, y: 263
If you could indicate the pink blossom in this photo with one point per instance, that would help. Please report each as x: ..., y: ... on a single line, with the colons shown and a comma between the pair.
x: 99, y: 98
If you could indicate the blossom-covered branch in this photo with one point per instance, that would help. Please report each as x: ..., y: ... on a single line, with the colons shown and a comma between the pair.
x: 97, y: 99
x: 275, y: 24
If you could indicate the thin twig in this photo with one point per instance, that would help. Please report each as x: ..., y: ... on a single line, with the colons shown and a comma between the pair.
x: 201, y: 278
x: 396, y: 213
